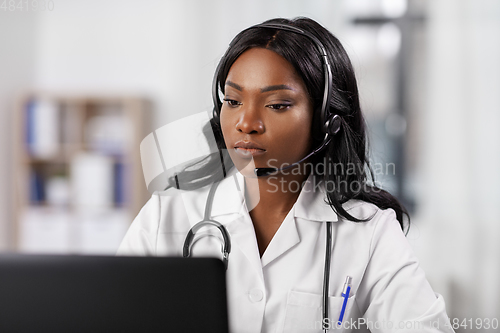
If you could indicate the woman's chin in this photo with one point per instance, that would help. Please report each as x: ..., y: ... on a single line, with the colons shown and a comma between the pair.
x: 246, y: 165
x: 247, y: 170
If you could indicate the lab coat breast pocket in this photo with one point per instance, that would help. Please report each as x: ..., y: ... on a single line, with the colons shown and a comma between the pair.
x: 304, y: 312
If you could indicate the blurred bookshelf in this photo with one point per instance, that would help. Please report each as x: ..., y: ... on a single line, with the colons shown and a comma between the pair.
x: 78, y: 178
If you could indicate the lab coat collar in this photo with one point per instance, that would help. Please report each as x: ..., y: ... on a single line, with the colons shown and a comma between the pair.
x: 230, y: 199
x: 310, y: 205
x: 230, y: 195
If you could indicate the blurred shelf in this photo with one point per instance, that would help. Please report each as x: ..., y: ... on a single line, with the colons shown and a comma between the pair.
x: 76, y: 158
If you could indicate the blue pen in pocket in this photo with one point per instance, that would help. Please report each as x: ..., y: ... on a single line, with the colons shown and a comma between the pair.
x: 345, y: 294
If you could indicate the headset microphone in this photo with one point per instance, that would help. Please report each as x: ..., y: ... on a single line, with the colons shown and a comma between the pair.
x: 333, y: 128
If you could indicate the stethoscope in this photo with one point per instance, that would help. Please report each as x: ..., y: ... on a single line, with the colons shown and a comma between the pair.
x: 226, y: 248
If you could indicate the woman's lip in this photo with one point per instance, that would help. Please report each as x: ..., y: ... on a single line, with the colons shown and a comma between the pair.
x: 247, y: 152
x: 247, y: 145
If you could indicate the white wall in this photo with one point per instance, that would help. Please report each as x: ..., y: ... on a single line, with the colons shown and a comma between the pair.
x: 459, y: 196
x: 17, y: 58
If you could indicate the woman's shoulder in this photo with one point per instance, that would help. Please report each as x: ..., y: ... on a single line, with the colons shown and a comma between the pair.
x: 176, y: 208
x: 373, y: 217
x: 361, y: 209
x: 179, y: 209
x: 381, y: 229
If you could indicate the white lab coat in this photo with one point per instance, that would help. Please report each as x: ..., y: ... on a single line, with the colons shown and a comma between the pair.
x: 282, y: 291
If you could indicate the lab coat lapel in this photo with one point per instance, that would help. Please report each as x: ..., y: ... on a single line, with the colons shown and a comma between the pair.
x: 229, y: 197
x: 311, y: 206
x: 243, y: 234
x: 229, y: 208
x: 285, y: 238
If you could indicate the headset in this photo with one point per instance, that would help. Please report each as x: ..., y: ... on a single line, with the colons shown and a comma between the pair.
x: 331, y: 124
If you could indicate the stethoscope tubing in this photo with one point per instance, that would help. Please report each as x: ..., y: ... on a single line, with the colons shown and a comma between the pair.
x: 326, y: 276
x: 226, y: 246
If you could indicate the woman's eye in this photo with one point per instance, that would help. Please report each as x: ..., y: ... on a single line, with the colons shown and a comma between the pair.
x: 279, y: 106
x: 231, y: 102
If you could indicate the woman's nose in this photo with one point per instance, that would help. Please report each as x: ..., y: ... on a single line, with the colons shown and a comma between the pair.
x: 250, y: 121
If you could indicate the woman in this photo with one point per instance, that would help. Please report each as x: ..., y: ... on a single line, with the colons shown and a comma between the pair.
x: 300, y: 200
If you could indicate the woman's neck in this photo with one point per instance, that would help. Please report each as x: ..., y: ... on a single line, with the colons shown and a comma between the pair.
x: 269, y: 199
x: 275, y: 193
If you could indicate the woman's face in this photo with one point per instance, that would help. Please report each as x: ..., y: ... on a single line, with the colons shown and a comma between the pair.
x: 266, y: 115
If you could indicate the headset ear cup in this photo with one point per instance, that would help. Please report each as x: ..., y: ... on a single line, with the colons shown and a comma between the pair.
x: 334, y: 125
x: 331, y: 127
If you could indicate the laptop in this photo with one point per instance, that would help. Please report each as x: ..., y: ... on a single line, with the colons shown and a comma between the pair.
x: 71, y: 293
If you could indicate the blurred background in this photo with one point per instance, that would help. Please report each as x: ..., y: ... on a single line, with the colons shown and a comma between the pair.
x: 82, y: 83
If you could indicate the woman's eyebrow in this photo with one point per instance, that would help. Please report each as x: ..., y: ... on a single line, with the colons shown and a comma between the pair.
x: 276, y: 87
x: 265, y: 89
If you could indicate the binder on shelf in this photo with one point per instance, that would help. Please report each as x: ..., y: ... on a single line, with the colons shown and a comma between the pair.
x: 92, y: 180
x: 42, y: 128
x: 120, y: 184
x: 108, y: 133
x: 57, y: 191
x: 36, y: 188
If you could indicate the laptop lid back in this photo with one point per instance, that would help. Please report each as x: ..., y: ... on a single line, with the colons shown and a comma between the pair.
x: 56, y: 293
